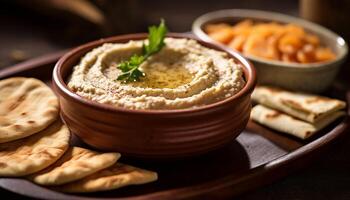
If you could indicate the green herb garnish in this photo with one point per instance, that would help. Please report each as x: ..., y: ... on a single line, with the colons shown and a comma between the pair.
x: 130, y: 68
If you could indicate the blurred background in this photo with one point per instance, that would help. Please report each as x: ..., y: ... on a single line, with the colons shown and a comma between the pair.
x: 30, y: 28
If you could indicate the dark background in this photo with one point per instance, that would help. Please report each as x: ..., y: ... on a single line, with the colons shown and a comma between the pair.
x: 31, y: 28
x: 34, y: 28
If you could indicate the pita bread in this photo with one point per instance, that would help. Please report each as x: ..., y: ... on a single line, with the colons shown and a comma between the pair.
x: 287, y: 124
x: 27, y: 106
x: 116, y: 176
x: 34, y: 153
x: 75, y: 164
x: 307, y: 107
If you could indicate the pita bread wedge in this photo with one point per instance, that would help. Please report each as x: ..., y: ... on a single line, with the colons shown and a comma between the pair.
x: 75, y: 164
x: 27, y: 106
x: 34, y: 153
x: 116, y: 176
x: 287, y: 124
x: 307, y: 107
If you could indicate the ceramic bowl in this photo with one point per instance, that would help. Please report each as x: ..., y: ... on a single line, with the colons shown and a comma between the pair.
x: 314, y: 77
x: 157, y: 134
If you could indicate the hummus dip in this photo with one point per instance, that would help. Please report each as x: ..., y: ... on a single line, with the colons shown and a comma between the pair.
x: 184, y: 74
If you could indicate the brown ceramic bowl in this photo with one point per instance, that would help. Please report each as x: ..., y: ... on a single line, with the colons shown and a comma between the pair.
x: 157, y: 134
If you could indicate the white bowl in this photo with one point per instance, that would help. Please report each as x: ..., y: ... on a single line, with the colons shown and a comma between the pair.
x: 313, y: 77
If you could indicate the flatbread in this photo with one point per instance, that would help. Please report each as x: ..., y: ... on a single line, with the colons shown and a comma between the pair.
x: 75, y: 164
x: 287, y: 124
x: 34, y: 153
x: 307, y: 107
x: 27, y: 106
x: 116, y: 176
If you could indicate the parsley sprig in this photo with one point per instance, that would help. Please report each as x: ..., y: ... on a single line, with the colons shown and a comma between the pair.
x: 130, y: 68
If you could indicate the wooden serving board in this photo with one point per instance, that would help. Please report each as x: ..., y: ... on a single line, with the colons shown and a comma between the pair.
x: 259, y: 156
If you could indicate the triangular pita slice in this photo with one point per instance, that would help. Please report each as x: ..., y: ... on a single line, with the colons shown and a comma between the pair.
x: 306, y: 107
x: 27, y: 106
x: 32, y: 154
x: 290, y: 125
x: 75, y: 164
x: 116, y: 176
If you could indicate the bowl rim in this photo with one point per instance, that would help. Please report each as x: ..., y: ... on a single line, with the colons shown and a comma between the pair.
x: 248, y: 71
x: 277, y: 17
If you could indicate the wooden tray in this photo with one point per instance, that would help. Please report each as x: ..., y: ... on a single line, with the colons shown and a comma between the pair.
x: 259, y: 156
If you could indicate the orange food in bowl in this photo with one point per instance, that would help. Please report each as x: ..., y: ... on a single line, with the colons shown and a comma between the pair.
x: 273, y: 41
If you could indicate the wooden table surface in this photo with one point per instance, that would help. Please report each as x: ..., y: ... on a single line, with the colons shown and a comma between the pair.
x: 327, y: 178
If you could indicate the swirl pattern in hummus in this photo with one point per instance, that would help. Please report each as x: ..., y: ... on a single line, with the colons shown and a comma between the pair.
x: 184, y: 74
